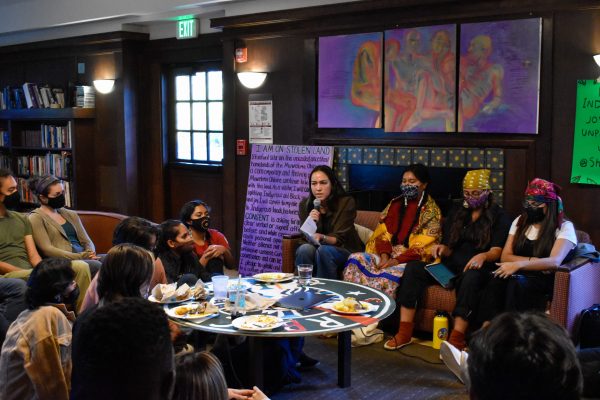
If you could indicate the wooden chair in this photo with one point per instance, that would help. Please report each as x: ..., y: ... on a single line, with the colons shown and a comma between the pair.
x: 100, y: 226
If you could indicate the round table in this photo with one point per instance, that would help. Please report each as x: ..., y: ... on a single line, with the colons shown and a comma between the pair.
x: 317, y: 320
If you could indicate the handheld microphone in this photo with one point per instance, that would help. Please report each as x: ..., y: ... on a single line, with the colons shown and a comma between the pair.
x: 316, y: 204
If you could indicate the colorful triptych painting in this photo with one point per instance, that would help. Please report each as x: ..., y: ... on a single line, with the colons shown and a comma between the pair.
x: 350, y: 68
x: 497, y: 89
x: 499, y: 76
x: 420, y: 79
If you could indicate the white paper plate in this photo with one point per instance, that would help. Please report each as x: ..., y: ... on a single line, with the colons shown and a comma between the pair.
x: 170, y: 301
x: 252, y: 323
x: 273, y: 277
x: 172, y: 312
x: 370, y: 308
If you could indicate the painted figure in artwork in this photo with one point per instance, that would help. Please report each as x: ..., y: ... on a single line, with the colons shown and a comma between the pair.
x: 366, y: 79
x: 399, y: 103
x: 480, y: 82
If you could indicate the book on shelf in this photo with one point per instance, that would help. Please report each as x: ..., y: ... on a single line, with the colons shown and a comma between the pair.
x: 31, y: 95
x: 5, y: 161
x: 27, y: 195
x: 55, y: 164
x: 4, y: 138
x: 85, y: 96
x: 49, y: 136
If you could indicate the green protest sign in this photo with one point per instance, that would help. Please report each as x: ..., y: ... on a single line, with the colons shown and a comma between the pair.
x: 586, y: 144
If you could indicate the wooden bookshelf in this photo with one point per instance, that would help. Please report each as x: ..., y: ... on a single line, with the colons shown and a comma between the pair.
x: 30, y: 151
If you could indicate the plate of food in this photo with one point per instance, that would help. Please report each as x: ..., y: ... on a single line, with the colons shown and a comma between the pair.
x: 194, y: 310
x: 351, y: 306
x: 273, y: 277
x: 257, y: 323
x: 171, y: 294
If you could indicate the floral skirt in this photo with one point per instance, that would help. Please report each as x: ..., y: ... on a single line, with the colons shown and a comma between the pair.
x: 362, y: 268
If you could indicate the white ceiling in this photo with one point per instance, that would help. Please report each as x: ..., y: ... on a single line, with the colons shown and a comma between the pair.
x: 33, y: 20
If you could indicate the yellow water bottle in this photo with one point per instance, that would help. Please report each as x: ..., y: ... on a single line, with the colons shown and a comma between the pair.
x: 440, y: 329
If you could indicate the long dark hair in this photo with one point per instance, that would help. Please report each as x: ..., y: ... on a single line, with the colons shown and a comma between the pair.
x: 185, y: 214
x: 420, y: 172
x: 337, y: 190
x: 174, y: 264
x: 135, y: 230
x: 480, y: 232
x: 48, y: 279
x: 125, y: 269
x: 199, y: 376
x: 542, y: 247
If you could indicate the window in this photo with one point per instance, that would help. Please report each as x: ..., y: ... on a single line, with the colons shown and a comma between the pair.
x: 197, y: 117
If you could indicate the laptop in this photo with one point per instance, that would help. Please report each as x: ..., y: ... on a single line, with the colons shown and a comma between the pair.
x: 441, y: 274
x: 303, y: 300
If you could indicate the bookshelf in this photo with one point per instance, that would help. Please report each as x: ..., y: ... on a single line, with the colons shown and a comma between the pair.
x: 47, y: 141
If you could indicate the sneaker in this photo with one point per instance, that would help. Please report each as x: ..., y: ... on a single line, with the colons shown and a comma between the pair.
x: 455, y: 360
x: 305, y: 362
x: 395, y: 343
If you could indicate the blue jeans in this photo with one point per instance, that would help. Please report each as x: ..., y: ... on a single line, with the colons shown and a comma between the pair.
x: 12, y: 302
x: 327, y: 260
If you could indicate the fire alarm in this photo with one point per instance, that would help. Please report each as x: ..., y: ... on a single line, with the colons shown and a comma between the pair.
x: 241, y: 54
x: 241, y: 147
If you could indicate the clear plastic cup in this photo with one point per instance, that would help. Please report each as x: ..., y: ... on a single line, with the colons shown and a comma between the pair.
x: 304, y: 274
x: 220, y: 286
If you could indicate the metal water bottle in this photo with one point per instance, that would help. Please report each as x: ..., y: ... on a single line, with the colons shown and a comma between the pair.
x: 440, y: 329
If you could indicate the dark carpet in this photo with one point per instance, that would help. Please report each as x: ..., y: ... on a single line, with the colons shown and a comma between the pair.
x: 414, y: 372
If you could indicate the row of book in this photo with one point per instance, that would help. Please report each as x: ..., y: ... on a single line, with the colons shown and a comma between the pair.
x: 58, y: 165
x: 85, y: 96
x: 31, y: 95
x: 4, y: 139
x: 49, y: 136
x: 5, y: 162
x: 28, y: 197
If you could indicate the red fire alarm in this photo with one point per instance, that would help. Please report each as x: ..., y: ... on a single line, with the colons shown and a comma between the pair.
x: 241, y: 147
x: 241, y: 54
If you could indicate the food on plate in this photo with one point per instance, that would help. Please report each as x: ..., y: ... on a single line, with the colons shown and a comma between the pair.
x: 162, y: 292
x: 350, y: 304
x: 273, y: 276
x: 193, y: 310
x: 166, y: 293
x: 260, y: 322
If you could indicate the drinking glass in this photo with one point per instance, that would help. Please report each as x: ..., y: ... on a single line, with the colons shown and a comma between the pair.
x: 220, y: 286
x: 304, y: 274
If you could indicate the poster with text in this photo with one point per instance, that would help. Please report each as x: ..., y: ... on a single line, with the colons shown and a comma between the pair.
x: 419, y: 80
x: 586, y: 140
x: 260, y: 121
x: 499, y: 76
x: 278, y: 180
x: 349, y: 93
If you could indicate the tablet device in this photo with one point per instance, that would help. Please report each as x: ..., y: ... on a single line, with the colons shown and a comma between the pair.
x: 441, y: 274
x: 303, y: 300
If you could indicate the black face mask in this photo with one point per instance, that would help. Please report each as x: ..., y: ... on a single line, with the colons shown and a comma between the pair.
x: 12, y: 201
x: 201, y: 224
x: 57, y: 202
x: 535, y: 215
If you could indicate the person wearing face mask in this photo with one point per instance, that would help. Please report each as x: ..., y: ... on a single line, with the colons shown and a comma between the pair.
x: 472, y: 238
x: 409, y: 226
x: 538, y: 241
x: 18, y: 253
x: 58, y: 232
x: 175, y: 253
x: 36, y: 356
x: 209, y: 244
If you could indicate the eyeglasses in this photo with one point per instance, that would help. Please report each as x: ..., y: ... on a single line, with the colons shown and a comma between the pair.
x: 532, y: 204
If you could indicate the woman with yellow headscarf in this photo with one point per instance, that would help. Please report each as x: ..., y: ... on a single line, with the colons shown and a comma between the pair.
x: 473, y: 235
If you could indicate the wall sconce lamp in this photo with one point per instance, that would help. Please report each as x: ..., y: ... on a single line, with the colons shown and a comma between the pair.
x: 104, y: 85
x: 252, y: 80
x: 597, y: 59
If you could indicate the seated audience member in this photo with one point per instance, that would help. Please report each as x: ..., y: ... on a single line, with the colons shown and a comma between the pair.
x: 58, y: 232
x: 538, y: 242
x: 12, y: 302
x: 35, y: 362
x: 209, y: 244
x: 473, y: 235
x: 199, y: 376
x: 522, y: 356
x: 334, y: 211
x: 590, y: 367
x: 409, y: 226
x: 123, y: 350
x: 137, y: 231
x: 175, y: 253
x: 18, y: 254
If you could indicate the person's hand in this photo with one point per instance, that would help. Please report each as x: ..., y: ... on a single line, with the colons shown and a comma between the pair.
x: 240, y: 394
x: 318, y: 237
x: 389, y: 263
x: 258, y: 394
x: 215, y: 250
x: 506, y: 269
x: 385, y: 257
x: 440, y: 250
x: 315, y: 215
x: 476, y: 262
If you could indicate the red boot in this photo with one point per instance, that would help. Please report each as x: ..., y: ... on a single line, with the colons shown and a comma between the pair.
x: 402, y: 338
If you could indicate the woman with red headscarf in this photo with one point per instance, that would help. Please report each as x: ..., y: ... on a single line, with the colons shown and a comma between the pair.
x: 538, y: 242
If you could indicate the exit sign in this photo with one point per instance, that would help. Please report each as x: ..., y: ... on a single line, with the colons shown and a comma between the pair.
x: 187, y: 29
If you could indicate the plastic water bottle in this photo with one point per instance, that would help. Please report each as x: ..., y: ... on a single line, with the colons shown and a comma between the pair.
x: 440, y: 329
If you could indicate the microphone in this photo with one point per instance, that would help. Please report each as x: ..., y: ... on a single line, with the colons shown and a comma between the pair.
x: 316, y: 204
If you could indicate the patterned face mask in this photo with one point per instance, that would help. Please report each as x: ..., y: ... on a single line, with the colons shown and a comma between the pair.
x: 409, y: 191
x: 476, y: 202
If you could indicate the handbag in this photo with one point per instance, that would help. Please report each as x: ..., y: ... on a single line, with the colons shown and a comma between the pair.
x: 366, y: 335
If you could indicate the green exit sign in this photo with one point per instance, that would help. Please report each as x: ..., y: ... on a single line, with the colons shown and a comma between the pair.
x: 187, y: 29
